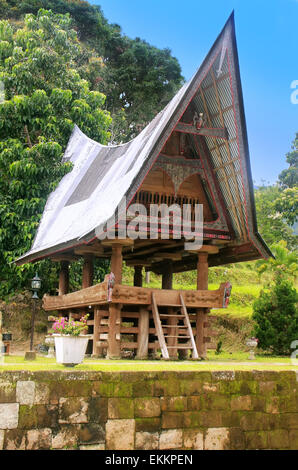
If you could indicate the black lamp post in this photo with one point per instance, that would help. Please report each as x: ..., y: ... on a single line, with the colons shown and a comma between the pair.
x: 35, y: 287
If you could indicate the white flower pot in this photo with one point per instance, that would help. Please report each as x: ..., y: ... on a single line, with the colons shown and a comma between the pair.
x: 70, y: 350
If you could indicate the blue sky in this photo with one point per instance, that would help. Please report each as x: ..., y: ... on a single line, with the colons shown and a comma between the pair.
x: 267, y: 41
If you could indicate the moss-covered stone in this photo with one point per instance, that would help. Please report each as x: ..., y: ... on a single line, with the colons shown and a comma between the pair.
x: 165, y: 388
x: 193, y: 419
x: 120, y: 408
x: 278, y: 439
x: 189, y: 388
x: 255, y: 440
x: 38, y: 416
x: 98, y: 410
x: 143, y: 389
x: 147, y: 407
x: 7, y: 392
x: 73, y: 410
x: 148, y: 424
x: 215, y: 402
x: 174, y: 403
x: 237, y: 439
x: 172, y: 420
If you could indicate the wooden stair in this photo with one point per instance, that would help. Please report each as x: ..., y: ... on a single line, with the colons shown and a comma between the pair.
x: 182, y: 341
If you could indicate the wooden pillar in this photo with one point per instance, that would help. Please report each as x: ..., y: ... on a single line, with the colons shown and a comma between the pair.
x: 167, y: 275
x: 202, y: 284
x: 143, y: 335
x: 138, y: 278
x: 87, y: 275
x: 116, y: 262
x: 64, y: 278
x: 114, y: 337
x: 96, y: 326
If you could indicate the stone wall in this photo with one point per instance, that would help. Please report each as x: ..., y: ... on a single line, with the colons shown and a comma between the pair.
x: 154, y: 410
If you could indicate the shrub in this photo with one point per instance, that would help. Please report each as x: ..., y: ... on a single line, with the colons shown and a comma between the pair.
x: 276, y: 315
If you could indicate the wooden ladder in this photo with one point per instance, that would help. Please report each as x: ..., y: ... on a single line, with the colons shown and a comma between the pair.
x: 162, y: 336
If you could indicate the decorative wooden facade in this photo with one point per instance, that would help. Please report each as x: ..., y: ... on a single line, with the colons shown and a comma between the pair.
x: 194, y: 152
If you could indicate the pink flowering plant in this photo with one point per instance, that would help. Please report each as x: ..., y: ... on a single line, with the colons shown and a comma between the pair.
x: 70, y: 327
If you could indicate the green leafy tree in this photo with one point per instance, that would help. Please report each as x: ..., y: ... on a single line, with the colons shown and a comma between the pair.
x: 137, y: 78
x: 272, y: 223
x: 289, y: 178
x: 44, y: 97
x: 276, y: 315
x: 284, y: 263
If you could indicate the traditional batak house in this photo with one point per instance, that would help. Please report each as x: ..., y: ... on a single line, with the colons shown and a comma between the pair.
x: 195, y: 151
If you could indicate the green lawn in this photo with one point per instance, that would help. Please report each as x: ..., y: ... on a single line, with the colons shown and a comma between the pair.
x: 223, y: 361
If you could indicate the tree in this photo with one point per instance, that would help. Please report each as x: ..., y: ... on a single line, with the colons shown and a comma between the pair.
x: 272, y: 223
x: 137, y: 78
x: 289, y: 178
x: 44, y: 97
x: 276, y: 315
x: 287, y: 203
x: 284, y: 262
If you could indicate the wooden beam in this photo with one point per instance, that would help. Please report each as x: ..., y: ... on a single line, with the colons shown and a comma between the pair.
x: 138, y: 278
x: 167, y: 275
x: 220, y: 133
x: 64, y: 278
x: 87, y: 274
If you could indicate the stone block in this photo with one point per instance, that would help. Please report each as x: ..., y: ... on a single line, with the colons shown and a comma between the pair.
x: 98, y: 410
x: 193, y: 439
x: 147, y: 407
x: 147, y: 441
x: 1, y: 438
x: 148, y: 424
x: 7, y: 392
x: 289, y: 421
x: 278, y: 439
x: 9, y: 415
x: 215, y: 402
x: 164, y: 388
x: 172, y: 420
x: 237, y: 439
x: 189, y: 388
x: 91, y: 433
x: 39, y: 439
x: 171, y: 439
x: 73, y: 410
x: 25, y: 392
x: 293, y: 438
x: 120, y: 434
x: 120, y: 408
x: 194, y: 403
x: 192, y: 419
x: 143, y: 389
x: 38, y: 416
x: 42, y: 393
x: 66, y: 437
x: 241, y: 403
x: 14, y: 439
x: 256, y: 440
x: 216, y: 439
x: 174, y: 403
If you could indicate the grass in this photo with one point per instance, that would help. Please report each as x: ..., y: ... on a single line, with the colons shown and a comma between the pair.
x: 221, y: 362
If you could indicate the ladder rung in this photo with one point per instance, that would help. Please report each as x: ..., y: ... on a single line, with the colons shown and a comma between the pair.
x: 169, y: 305
x: 170, y: 315
x: 180, y: 337
x: 175, y: 326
